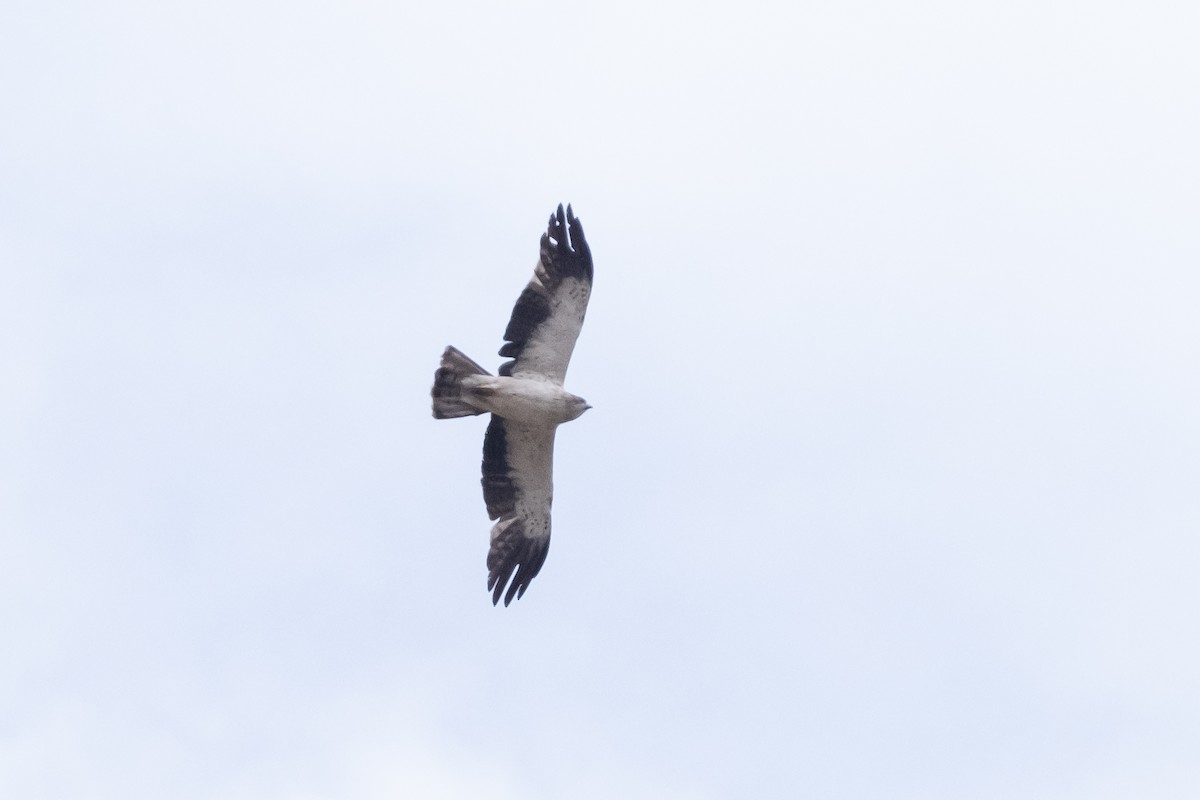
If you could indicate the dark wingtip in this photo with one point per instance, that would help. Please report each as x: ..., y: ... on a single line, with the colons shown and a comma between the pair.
x: 513, y: 562
x: 565, y: 246
x: 496, y: 586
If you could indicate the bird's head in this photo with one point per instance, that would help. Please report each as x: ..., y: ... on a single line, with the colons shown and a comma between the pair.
x: 577, y: 407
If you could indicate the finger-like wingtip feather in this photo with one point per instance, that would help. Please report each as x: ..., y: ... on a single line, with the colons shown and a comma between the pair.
x: 514, y: 557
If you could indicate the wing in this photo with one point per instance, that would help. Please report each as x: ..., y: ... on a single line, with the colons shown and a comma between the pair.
x: 548, y: 315
x: 518, y: 488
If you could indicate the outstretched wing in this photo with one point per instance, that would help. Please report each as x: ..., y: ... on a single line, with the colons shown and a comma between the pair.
x: 518, y: 463
x: 548, y: 315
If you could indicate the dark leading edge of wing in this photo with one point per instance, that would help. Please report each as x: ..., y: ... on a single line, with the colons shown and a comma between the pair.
x: 564, y: 254
x: 499, y: 493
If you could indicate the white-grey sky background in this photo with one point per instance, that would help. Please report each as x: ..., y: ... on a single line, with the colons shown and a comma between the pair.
x: 890, y: 488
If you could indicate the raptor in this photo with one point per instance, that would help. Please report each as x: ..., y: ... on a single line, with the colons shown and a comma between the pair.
x: 527, y: 402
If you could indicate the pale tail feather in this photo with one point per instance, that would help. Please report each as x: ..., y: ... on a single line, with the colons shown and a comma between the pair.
x: 448, y: 400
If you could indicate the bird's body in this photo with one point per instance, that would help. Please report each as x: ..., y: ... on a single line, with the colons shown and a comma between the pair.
x: 527, y: 402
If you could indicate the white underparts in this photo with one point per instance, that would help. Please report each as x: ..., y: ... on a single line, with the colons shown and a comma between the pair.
x: 523, y: 400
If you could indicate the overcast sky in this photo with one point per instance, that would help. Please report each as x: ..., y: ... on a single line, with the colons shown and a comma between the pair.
x: 890, y: 485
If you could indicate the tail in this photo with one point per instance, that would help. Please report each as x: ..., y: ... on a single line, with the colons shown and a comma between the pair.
x: 448, y: 400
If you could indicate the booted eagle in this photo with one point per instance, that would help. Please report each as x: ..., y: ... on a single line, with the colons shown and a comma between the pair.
x: 527, y: 403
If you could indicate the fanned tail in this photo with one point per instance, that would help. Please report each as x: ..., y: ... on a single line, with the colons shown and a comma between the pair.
x: 448, y: 398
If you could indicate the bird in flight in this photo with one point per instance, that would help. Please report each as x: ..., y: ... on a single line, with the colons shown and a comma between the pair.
x: 527, y: 403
